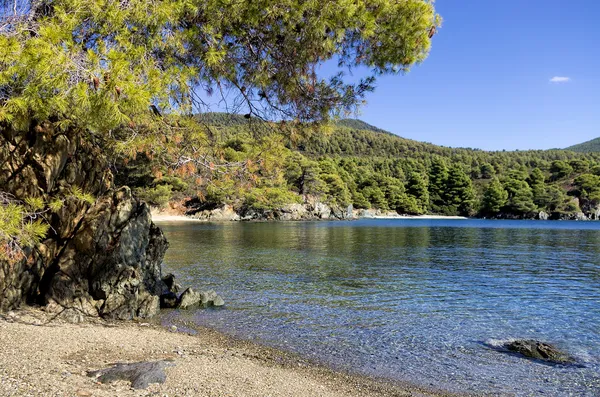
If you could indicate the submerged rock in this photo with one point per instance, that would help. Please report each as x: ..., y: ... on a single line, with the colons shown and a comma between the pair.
x: 139, y: 374
x: 539, y: 350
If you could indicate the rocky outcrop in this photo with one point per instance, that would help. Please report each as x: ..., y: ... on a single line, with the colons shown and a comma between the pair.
x: 101, y: 258
x: 220, y: 214
x: 310, y: 210
x: 590, y: 208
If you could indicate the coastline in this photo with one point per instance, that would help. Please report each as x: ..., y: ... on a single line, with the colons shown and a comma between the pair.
x: 158, y: 217
x: 42, y: 355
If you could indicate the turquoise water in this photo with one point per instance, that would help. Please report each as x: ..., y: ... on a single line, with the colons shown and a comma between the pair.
x: 412, y: 300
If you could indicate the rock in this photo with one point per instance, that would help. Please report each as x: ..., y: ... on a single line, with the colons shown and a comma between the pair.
x: 321, y: 210
x: 293, y: 212
x: 543, y: 216
x: 210, y: 298
x: 220, y: 214
x: 339, y: 212
x: 101, y: 258
x: 207, y: 297
x: 218, y: 301
x: 139, y: 374
x: 168, y: 300
x: 170, y: 283
x: 84, y: 393
x: 189, y: 298
x: 539, y: 350
x: 367, y: 213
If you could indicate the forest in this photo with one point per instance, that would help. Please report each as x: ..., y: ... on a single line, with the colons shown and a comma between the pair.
x: 586, y: 147
x: 350, y: 162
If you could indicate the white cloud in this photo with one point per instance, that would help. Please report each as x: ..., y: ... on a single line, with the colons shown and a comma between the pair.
x: 560, y: 79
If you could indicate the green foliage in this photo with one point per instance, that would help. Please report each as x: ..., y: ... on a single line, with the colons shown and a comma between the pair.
x: 21, y: 226
x: 560, y: 169
x: 78, y: 194
x: 268, y: 198
x: 586, y: 147
x: 588, y: 186
x: 159, y: 195
x: 100, y: 64
x: 494, y: 198
x: 520, y: 196
x: 460, y: 195
x: 369, y: 169
x: 416, y: 188
x: 438, y: 180
x: 127, y: 75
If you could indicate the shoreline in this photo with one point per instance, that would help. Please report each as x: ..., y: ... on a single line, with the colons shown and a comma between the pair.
x: 46, y: 356
x: 158, y: 217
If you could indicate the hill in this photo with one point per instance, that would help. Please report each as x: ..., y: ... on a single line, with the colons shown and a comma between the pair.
x: 262, y: 166
x: 586, y: 147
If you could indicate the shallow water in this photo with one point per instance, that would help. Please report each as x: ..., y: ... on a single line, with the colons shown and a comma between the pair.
x: 414, y: 300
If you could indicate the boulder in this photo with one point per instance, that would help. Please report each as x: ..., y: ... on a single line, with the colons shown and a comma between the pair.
x: 321, y: 210
x: 210, y: 298
x: 218, y: 301
x: 171, y: 285
x: 139, y: 374
x: 293, y: 212
x: 189, y: 298
x: 168, y: 300
x: 539, y: 350
x: 341, y: 212
x: 543, y: 216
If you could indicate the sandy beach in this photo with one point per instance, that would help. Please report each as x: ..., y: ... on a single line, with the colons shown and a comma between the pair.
x: 42, y: 356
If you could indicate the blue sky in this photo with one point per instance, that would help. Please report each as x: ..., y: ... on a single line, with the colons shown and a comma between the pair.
x: 487, y: 82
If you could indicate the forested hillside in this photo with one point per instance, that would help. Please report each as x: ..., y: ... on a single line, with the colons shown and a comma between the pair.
x: 586, y: 147
x: 353, y: 163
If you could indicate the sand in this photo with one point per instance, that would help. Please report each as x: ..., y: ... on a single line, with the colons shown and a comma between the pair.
x: 42, y: 356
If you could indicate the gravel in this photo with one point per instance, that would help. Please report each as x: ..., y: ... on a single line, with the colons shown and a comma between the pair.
x: 43, y: 356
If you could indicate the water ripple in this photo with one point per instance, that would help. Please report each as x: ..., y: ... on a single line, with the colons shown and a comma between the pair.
x: 409, y: 300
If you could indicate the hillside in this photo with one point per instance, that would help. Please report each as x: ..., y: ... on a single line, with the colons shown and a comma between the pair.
x: 586, y: 147
x: 261, y: 166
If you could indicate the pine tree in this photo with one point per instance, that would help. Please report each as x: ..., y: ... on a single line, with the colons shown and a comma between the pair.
x: 460, y: 195
x: 127, y: 75
x: 494, y: 198
x: 438, y: 179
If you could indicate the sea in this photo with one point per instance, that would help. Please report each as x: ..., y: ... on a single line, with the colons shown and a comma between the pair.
x: 429, y: 302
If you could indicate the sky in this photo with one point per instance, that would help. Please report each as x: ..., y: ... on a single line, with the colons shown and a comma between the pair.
x: 510, y: 74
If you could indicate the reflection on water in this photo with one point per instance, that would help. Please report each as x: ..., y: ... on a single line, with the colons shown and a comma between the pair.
x: 407, y: 299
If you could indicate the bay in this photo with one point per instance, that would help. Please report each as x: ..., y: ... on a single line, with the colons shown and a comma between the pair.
x: 412, y: 300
